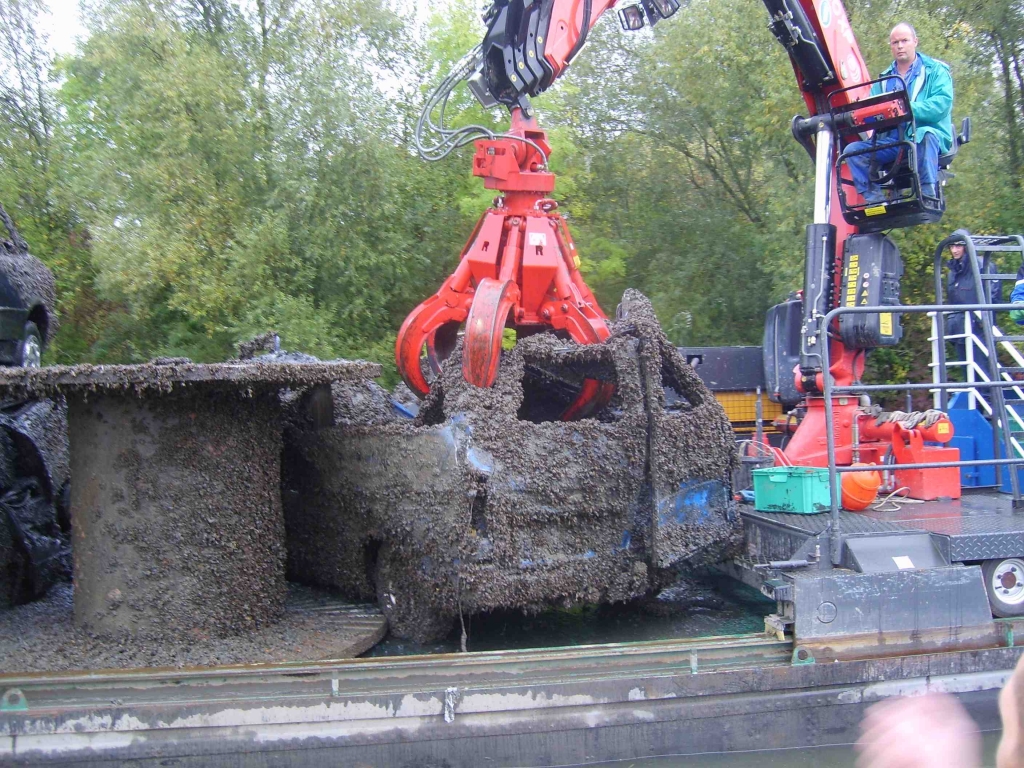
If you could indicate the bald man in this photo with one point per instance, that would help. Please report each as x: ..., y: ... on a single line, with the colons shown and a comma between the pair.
x: 930, y: 88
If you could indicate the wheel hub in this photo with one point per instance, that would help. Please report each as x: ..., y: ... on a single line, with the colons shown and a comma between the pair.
x: 1008, y: 581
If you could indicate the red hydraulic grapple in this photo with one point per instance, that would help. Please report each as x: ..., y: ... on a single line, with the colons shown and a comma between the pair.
x: 519, y: 270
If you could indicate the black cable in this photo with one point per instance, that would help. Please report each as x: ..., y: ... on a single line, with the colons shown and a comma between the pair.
x: 450, y: 140
x: 584, y: 31
x: 859, y: 353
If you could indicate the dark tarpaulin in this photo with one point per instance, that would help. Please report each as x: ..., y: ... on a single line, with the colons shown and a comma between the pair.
x: 43, y: 550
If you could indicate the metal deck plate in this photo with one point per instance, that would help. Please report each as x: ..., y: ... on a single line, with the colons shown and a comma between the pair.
x: 812, y: 525
x: 980, y: 526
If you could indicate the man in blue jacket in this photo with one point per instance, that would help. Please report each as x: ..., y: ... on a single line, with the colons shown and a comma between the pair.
x: 961, y: 289
x: 930, y: 88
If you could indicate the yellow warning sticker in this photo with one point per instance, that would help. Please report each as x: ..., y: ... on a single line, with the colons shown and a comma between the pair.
x: 875, y: 210
x: 576, y: 260
x: 852, y: 275
x: 885, y: 323
x: 942, y: 428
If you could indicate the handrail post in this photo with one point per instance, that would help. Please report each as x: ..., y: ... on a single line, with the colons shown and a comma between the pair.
x: 936, y: 376
x: 940, y: 326
x: 969, y: 358
x: 834, y: 538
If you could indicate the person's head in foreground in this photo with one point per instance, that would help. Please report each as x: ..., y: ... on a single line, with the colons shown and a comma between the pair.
x: 935, y: 731
x: 1011, y: 711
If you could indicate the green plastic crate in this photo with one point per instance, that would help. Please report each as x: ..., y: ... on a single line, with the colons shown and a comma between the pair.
x: 798, y: 490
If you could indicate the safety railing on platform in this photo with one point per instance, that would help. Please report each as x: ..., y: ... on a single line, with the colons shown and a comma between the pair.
x: 984, y: 279
x: 975, y: 372
x: 994, y: 384
x: 993, y: 387
x: 987, y: 246
x: 985, y: 285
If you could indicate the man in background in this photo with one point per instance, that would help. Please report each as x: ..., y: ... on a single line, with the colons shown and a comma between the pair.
x: 961, y: 289
x: 1017, y: 297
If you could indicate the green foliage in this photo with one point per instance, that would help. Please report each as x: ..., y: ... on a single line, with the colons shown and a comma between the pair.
x: 35, y: 173
x: 702, y: 194
x: 198, y: 173
x: 234, y: 186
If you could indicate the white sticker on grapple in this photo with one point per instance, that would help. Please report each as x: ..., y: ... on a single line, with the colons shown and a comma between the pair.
x: 903, y: 562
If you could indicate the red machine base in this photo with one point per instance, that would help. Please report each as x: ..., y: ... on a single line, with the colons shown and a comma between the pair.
x: 879, y: 443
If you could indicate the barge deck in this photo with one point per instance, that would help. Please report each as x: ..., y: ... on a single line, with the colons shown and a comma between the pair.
x: 805, y: 685
x: 981, y: 525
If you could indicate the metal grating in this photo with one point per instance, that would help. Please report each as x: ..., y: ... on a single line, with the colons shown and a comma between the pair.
x: 812, y: 525
x: 980, y: 526
x: 989, y: 547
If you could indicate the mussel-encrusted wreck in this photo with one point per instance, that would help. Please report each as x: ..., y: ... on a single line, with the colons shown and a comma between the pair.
x: 488, y: 501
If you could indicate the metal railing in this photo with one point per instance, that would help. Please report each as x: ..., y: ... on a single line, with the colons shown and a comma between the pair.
x: 973, y: 372
x: 981, y: 279
x: 994, y: 386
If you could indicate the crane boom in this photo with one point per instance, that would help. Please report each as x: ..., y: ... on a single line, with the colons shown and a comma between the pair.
x: 520, y: 269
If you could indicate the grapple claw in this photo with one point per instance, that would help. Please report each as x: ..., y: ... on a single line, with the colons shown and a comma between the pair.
x: 440, y: 344
x: 593, y: 396
x: 518, y: 269
x: 434, y: 316
x: 481, y: 347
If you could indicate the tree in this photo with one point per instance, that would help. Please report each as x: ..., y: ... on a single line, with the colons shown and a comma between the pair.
x: 34, y: 175
x: 239, y: 176
x: 201, y: 171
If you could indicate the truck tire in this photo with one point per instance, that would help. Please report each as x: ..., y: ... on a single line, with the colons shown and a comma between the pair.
x: 30, y: 351
x: 1004, y: 583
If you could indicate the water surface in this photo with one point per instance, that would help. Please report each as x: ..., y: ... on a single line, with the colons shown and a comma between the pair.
x: 743, y: 613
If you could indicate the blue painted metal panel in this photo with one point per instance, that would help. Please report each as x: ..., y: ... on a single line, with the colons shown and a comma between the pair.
x: 973, y: 436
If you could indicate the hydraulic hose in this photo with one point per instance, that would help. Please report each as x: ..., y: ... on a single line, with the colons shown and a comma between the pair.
x: 584, y: 31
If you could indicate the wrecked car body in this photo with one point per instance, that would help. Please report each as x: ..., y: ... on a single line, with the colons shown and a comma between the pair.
x: 488, y: 501
x: 27, y: 299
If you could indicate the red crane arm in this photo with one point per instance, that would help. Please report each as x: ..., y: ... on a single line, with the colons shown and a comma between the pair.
x: 530, y: 43
x: 838, y: 47
x: 566, y: 27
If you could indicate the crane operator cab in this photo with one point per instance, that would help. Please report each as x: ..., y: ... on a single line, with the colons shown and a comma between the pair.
x: 877, y: 128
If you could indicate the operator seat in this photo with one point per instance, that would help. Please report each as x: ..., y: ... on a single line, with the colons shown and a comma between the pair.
x: 905, y: 205
x: 945, y: 160
x: 899, y: 181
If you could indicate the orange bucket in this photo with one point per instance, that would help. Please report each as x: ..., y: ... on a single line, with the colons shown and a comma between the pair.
x: 860, y: 489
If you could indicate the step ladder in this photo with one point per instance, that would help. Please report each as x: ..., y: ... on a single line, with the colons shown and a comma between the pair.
x: 989, y: 353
